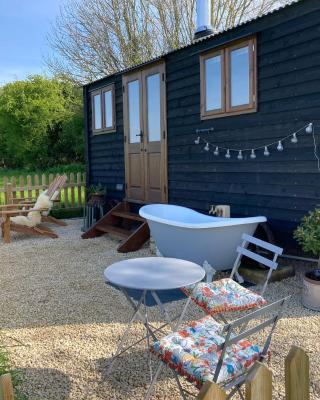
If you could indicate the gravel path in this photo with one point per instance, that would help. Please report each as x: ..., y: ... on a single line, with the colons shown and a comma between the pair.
x: 62, y: 323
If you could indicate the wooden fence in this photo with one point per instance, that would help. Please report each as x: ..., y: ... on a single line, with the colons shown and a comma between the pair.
x: 72, y: 195
x: 258, y: 385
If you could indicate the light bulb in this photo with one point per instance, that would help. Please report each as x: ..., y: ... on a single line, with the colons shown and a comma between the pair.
x: 253, y: 154
x: 197, y: 141
x: 266, y: 151
x: 294, y: 138
x: 228, y: 155
x: 206, y: 147
x: 280, y: 147
x: 309, y: 128
x: 216, y: 151
x: 240, y: 156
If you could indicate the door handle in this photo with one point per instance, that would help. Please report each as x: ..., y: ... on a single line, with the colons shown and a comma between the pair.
x: 140, y: 134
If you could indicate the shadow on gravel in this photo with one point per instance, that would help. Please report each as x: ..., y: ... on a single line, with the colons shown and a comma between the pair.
x: 44, y: 384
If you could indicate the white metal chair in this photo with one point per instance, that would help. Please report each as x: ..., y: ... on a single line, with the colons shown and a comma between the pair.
x: 208, y: 351
x: 226, y: 295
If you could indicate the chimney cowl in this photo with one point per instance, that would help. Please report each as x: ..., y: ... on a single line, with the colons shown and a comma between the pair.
x: 204, y: 26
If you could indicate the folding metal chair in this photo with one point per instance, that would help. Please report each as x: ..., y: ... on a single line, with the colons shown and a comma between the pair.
x: 226, y: 295
x: 208, y: 351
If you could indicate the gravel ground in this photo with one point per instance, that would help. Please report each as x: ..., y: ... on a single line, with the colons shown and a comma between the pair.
x: 62, y: 323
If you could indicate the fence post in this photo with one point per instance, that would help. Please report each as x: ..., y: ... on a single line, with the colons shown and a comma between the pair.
x: 297, y: 374
x: 259, y: 383
x: 6, y: 388
x: 211, y: 391
x: 8, y: 193
x: 29, y: 184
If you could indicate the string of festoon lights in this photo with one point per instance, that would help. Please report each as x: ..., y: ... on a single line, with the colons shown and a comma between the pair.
x: 293, y: 137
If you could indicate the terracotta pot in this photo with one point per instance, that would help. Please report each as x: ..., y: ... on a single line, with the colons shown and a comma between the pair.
x: 311, y: 290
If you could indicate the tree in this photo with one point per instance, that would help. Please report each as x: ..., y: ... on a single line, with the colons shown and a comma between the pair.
x: 93, y: 38
x: 40, y: 122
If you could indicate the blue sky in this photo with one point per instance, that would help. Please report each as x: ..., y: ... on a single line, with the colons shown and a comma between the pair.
x: 23, y: 28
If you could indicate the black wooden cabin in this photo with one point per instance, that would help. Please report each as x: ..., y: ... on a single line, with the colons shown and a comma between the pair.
x: 140, y: 139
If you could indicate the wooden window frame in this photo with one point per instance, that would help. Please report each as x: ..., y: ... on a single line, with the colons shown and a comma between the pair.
x: 203, y: 59
x: 227, y: 109
x: 101, y: 92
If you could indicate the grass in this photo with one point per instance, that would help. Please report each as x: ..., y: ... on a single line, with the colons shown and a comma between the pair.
x: 16, y: 375
x: 53, y: 170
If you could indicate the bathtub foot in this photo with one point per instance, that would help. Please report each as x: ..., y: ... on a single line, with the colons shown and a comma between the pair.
x: 239, y: 277
x: 210, y: 271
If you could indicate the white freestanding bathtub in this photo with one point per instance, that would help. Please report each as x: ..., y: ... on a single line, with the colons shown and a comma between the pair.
x: 180, y: 232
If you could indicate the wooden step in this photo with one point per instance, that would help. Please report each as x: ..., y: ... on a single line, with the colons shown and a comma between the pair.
x: 107, y: 219
x: 128, y: 215
x: 134, y: 237
x: 116, y: 230
x: 137, y: 239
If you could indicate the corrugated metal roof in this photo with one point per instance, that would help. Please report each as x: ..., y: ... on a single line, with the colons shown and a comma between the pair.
x: 201, y: 39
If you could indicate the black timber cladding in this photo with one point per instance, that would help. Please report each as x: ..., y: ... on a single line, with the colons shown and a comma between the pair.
x: 105, y: 155
x: 284, y: 186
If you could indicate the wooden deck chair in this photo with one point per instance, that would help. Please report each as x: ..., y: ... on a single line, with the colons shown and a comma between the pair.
x: 226, y: 295
x: 32, y: 214
x: 52, y: 191
x: 205, y: 350
x: 7, y: 225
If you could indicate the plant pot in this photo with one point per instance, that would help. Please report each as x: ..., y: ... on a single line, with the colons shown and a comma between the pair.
x: 311, y: 290
x: 97, y: 197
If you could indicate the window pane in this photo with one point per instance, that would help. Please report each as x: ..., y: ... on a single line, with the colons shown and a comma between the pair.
x: 134, y: 111
x: 213, y: 83
x: 108, y: 109
x: 154, y: 110
x: 240, y: 77
x: 97, y: 111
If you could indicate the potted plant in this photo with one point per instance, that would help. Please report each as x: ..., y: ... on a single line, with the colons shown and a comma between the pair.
x: 308, y: 235
x: 97, y: 193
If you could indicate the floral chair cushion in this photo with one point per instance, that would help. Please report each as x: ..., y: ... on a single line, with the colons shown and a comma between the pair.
x: 191, y: 352
x: 223, y: 295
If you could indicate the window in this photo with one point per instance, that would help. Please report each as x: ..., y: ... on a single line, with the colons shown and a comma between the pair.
x: 228, y: 80
x: 103, y: 110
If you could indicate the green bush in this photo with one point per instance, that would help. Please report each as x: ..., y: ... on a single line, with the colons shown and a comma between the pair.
x: 308, y: 233
x: 41, y: 123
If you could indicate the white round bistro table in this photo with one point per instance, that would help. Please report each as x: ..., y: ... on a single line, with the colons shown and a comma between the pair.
x: 151, y: 274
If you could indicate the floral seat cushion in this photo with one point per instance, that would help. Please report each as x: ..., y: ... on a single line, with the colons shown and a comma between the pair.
x: 223, y: 295
x: 191, y: 352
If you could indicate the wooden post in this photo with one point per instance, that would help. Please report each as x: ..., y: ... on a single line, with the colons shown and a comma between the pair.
x: 36, y: 184
x: 8, y: 193
x: 79, y: 188
x: 29, y: 184
x: 72, y: 188
x: 43, y: 182
x: 14, y: 188
x: 21, y: 184
x: 211, y: 391
x: 65, y: 193
x: 297, y: 374
x: 6, y: 388
x: 259, y: 383
x: 6, y: 228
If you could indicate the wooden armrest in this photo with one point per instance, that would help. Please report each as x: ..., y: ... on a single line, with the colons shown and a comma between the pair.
x: 8, y: 206
x: 22, y: 212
